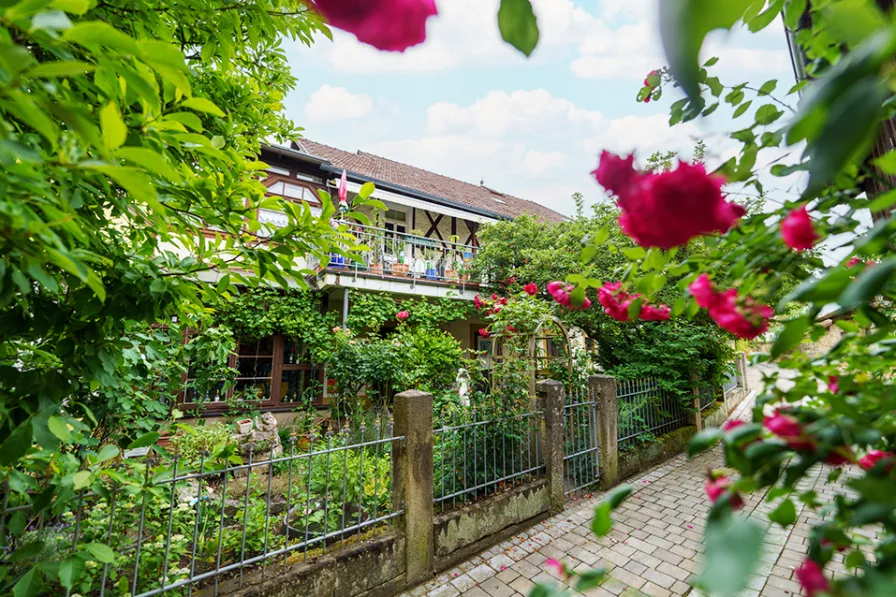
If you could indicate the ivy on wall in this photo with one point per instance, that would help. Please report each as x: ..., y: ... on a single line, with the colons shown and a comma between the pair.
x: 371, y: 310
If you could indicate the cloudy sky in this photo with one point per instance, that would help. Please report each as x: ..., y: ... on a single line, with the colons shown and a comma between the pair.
x: 466, y: 105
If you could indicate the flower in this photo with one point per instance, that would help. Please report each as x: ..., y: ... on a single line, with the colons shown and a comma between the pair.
x: 503, y: 300
x: 512, y: 280
x: 839, y: 456
x: 854, y: 261
x: 811, y: 577
x: 742, y: 316
x: 834, y: 383
x: 557, y: 566
x: 717, y: 487
x: 343, y: 190
x: 646, y: 99
x: 496, y: 310
x: 797, y: 230
x: 560, y: 292
x: 870, y: 460
x: 790, y: 430
x: 494, y: 296
x: 651, y: 313
x: 667, y: 209
x: 483, y: 332
x: 477, y: 302
x: 402, y: 315
x: 614, y: 173
x: 510, y: 328
x: 531, y: 289
x: 732, y: 424
x: 615, y: 300
x: 391, y: 25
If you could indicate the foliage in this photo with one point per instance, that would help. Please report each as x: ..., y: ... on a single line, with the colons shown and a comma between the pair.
x: 214, y: 439
x: 369, y: 311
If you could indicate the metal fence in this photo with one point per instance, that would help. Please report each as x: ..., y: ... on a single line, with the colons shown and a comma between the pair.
x: 730, y: 382
x: 479, y: 454
x: 708, y: 395
x: 645, y: 409
x: 580, y: 450
x: 202, y: 524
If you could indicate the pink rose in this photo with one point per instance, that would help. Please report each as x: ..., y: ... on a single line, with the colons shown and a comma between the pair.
x: 556, y: 566
x: 833, y: 384
x: 732, y: 424
x: 496, y: 310
x: 503, y: 300
x: 839, y: 456
x: 811, y: 577
x: 392, y: 25
x: 790, y: 430
x: 703, y: 291
x: 510, y: 328
x: 658, y: 313
x: 854, y: 261
x: 483, y: 332
x: 667, y: 209
x: 402, y: 315
x: 797, y: 230
x: 477, y: 302
x: 531, y: 289
x: 870, y: 460
x: 716, y: 488
x: 560, y: 292
x: 742, y: 316
x: 615, y: 300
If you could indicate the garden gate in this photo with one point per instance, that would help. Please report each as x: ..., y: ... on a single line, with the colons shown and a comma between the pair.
x: 581, y: 469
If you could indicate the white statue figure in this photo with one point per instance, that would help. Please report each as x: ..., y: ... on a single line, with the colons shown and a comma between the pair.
x: 463, y: 386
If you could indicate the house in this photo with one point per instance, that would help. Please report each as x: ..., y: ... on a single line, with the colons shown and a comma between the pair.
x: 421, y: 246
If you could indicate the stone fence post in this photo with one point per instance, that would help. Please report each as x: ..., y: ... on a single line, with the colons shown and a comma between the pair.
x: 551, y: 401
x: 413, y: 481
x: 696, y: 418
x: 742, y: 371
x: 602, y: 390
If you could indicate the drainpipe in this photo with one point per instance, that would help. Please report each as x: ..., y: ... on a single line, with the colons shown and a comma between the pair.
x: 345, y: 308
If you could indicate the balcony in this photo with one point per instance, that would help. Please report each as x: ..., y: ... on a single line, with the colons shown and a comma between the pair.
x: 403, y: 259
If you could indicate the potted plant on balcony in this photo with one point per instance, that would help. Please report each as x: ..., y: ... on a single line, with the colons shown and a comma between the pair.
x: 377, y: 249
x: 401, y: 268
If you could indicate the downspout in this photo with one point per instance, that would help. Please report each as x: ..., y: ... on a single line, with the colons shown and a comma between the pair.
x: 345, y: 308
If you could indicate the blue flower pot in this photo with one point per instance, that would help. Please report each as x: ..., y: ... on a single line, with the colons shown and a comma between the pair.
x: 337, y: 261
x: 432, y: 274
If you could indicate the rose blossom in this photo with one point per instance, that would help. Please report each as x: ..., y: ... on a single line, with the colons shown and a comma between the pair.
x: 839, y: 456
x: 402, y: 315
x: 812, y: 578
x: 494, y: 296
x: 510, y: 328
x: 615, y: 300
x: 651, y: 313
x: 716, y: 488
x: 477, y: 302
x: 797, y: 230
x: 556, y: 566
x: 560, y: 292
x: 834, y: 383
x: 483, y: 332
x: 531, y: 289
x: 667, y: 209
x: 732, y: 424
x: 870, y: 460
x: 392, y: 25
x: 790, y: 430
x: 742, y: 316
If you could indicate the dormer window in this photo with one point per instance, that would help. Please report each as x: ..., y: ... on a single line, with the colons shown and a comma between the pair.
x: 278, y: 170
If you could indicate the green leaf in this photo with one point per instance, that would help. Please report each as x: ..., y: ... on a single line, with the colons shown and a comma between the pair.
x: 366, y: 190
x: 854, y: 559
x: 16, y: 445
x: 868, y: 285
x: 703, y: 440
x: 793, y: 12
x: 542, y: 590
x: 634, y: 253
x: 132, y: 180
x: 883, y: 202
x: 518, y: 25
x: 765, y: 18
x: 590, y: 579
x: 768, y: 87
x: 27, y: 551
x: 711, y: 109
x: 742, y: 108
x: 114, y: 129
x: 602, y: 523
x: 82, y: 479
x: 851, y: 21
x: 70, y: 570
x: 101, y: 553
x: 75, y: 7
x: 98, y: 33
x: 733, y: 546
x: 684, y: 24
x: 784, y: 514
x: 200, y: 104
x: 715, y: 86
x: 107, y: 452
x: 61, y: 68
x: 29, y: 585
x: 149, y: 160
x: 790, y: 336
x: 618, y: 495
x: 147, y: 439
x: 767, y: 114
x: 711, y: 62
x: 887, y: 162
x: 59, y: 427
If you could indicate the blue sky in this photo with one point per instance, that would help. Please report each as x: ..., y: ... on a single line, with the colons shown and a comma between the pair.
x: 466, y: 105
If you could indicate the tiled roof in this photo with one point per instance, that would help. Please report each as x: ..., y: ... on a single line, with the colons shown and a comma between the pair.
x: 477, y: 196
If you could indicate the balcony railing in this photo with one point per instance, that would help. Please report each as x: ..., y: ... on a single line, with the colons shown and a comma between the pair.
x: 405, y: 256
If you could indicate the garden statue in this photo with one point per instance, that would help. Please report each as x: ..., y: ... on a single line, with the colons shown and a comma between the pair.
x: 264, y: 439
x: 463, y: 386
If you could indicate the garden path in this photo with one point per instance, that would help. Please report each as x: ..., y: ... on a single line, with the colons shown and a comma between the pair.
x: 655, y: 547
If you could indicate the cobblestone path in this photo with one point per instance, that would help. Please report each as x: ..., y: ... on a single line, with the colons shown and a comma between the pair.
x: 655, y: 547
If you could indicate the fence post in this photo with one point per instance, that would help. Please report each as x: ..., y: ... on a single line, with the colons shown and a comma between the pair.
x: 551, y: 396
x: 413, y: 476
x: 602, y: 390
x: 696, y: 418
x: 742, y: 371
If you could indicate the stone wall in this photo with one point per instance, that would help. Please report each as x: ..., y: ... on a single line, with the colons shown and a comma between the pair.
x: 644, y: 456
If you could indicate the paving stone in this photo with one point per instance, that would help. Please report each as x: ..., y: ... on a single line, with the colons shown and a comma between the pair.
x: 482, y: 572
x: 463, y: 582
x: 496, y: 588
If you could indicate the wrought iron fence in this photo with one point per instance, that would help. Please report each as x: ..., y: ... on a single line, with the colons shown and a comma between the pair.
x: 707, y: 394
x: 204, y: 523
x: 580, y: 451
x: 480, y: 454
x: 645, y: 409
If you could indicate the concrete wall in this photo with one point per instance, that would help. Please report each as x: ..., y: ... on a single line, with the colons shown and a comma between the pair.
x: 648, y: 454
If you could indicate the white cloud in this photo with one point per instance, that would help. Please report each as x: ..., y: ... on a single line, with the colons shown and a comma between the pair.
x: 465, y: 32
x: 334, y: 104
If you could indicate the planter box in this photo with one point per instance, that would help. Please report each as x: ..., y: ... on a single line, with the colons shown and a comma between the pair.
x: 400, y: 269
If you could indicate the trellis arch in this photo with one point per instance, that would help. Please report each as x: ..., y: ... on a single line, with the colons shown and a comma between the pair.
x: 549, y: 334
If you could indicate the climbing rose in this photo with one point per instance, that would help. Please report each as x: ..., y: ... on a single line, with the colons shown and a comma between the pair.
x: 560, y: 292
x: 790, y: 430
x: 531, y: 289
x: 483, y: 332
x: 716, y: 488
x: 651, y: 313
x: 510, y: 328
x: 833, y: 383
x: 557, y: 566
x: 402, y: 315
x: 494, y: 297
x: 496, y: 310
x: 503, y: 300
x: 646, y: 99
x: 797, y: 230
x: 812, y: 579
x: 477, y: 302
x: 615, y: 300
x: 870, y: 460
x: 732, y: 424
x: 667, y: 209
x: 742, y: 316
x: 391, y: 25
x: 512, y: 280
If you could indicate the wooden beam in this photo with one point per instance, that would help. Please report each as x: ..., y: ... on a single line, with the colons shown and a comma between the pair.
x: 434, y: 226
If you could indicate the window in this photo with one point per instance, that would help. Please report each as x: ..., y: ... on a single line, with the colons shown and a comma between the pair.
x: 396, y: 216
x: 308, y: 178
x: 278, y: 170
x: 274, y: 372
